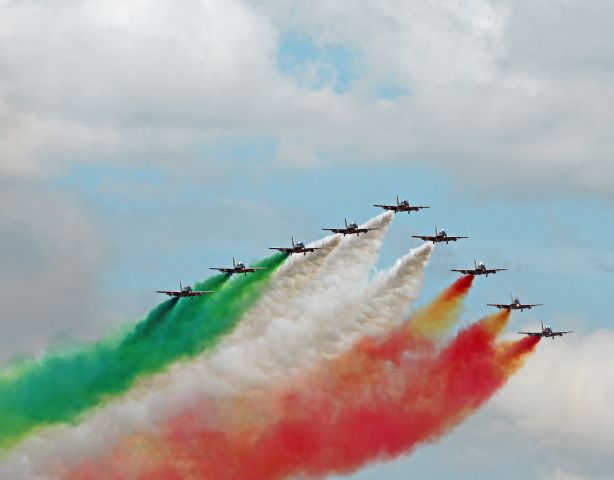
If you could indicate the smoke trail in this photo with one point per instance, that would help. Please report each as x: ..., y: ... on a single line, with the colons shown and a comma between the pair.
x: 264, y: 331
x: 329, y: 429
x: 292, y: 278
x: 300, y: 339
x: 440, y: 315
x: 296, y: 315
x: 162, y: 397
x: 60, y: 386
x: 425, y: 326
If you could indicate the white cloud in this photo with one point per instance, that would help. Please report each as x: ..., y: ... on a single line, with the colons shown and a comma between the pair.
x: 562, y: 398
x: 560, y: 474
x: 495, y: 90
x: 554, y: 419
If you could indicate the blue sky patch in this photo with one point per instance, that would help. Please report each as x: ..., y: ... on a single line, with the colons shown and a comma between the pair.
x: 319, y: 65
x: 390, y: 90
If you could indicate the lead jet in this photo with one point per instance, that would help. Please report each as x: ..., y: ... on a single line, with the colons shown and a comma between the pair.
x: 440, y: 236
x: 401, y: 206
x: 350, y: 229
x: 515, y: 305
x: 546, y: 332
x: 185, y: 292
x: 480, y: 269
x: 237, y: 267
x: 298, y: 247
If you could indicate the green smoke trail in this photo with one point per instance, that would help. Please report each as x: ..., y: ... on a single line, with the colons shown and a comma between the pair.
x: 61, y: 386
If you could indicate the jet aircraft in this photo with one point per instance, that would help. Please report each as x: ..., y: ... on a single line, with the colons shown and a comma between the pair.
x: 401, y: 206
x: 515, y: 305
x: 440, y: 236
x: 350, y: 229
x: 185, y: 292
x: 298, y: 247
x: 480, y: 269
x: 546, y: 332
x: 237, y: 267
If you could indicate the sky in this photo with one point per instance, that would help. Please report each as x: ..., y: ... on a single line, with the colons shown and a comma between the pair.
x: 142, y: 142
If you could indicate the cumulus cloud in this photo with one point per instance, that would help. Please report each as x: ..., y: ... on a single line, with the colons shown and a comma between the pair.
x: 562, y: 398
x: 554, y: 420
x: 494, y: 90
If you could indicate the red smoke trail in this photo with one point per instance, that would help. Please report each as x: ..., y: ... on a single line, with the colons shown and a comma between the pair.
x: 412, y: 402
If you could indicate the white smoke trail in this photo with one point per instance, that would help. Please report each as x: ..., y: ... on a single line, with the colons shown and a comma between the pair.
x: 294, y: 275
x: 261, y: 330
x: 329, y: 325
x: 340, y: 276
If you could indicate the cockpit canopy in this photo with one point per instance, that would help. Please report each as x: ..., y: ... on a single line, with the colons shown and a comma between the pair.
x: 241, y: 264
x: 442, y: 233
x: 548, y: 328
x: 405, y: 202
x: 300, y: 244
x: 353, y: 225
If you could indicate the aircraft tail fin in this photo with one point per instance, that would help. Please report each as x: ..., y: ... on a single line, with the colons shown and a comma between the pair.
x: 398, y: 201
x: 292, y: 241
x: 233, y: 262
x: 180, y: 286
x: 475, y: 264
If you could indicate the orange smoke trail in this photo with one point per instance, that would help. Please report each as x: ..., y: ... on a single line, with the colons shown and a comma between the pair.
x: 440, y: 315
x: 337, y: 422
x: 425, y: 325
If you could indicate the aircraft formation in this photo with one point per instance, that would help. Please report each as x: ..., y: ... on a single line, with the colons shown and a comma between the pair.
x: 352, y: 228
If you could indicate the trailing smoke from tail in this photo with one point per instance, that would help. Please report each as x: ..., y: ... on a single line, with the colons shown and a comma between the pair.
x: 298, y: 328
x: 61, y: 386
x: 326, y: 371
x: 332, y: 422
x: 263, y: 332
x: 426, y: 325
x: 292, y: 278
x: 440, y: 315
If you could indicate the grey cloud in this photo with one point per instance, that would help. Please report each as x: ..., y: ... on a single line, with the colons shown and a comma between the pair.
x: 52, y: 267
x: 601, y: 264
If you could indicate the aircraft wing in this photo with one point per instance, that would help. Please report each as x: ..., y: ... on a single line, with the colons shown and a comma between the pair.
x: 560, y: 334
x: 494, y: 270
x: 335, y: 230
x: 387, y: 207
x: 454, y: 239
x: 417, y: 207
x: 200, y: 293
x: 469, y: 271
x: 532, y: 334
x: 311, y: 249
x: 531, y: 305
x: 499, y: 305
x: 426, y: 238
x: 365, y: 230
x: 169, y: 293
x: 282, y: 249
x: 223, y: 269
x: 252, y: 269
